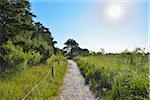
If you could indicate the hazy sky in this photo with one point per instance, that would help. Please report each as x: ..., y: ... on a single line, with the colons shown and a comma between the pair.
x: 96, y: 24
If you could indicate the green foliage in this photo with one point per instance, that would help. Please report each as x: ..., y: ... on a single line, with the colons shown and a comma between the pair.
x: 70, y: 44
x: 54, y: 60
x: 115, y: 76
x: 20, y: 84
x: 15, y: 59
x: 34, y: 58
x: 23, y: 42
x: 24, y: 46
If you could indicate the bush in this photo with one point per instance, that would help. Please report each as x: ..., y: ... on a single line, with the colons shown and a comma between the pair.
x: 34, y: 58
x: 53, y: 60
x: 14, y: 58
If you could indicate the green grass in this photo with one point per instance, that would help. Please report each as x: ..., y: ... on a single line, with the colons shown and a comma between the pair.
x: 20, y: 84
x: 117, y: 77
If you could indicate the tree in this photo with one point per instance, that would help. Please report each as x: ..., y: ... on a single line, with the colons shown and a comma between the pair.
x: 70, y: 44
x: 22, y: 40
x: 15, y: 17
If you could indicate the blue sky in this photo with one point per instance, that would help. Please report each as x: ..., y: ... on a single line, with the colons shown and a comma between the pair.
x: 88, y: 23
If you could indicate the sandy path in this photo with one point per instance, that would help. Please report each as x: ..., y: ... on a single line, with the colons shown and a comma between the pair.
x: 74, y: 87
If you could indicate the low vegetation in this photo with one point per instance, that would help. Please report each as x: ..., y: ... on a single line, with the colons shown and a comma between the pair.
x: 122, y: 76
x: 27, y: 55
x: 34, y: 83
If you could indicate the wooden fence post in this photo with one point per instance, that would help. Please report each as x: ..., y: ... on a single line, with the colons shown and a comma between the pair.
x: 53, y: 72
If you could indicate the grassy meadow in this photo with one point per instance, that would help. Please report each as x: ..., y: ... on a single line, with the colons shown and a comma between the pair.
x: 39, y: 77
x: 122, y: 76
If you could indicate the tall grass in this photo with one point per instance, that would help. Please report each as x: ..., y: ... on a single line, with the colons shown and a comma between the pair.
x: 20, y: 84
x: 117, y: 76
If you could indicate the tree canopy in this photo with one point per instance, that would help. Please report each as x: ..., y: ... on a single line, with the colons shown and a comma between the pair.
x: 24, y: 42
x: 70, y: 43
x: 73, y: 49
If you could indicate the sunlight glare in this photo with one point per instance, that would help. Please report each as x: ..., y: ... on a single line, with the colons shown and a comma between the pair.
x: 114, y: 11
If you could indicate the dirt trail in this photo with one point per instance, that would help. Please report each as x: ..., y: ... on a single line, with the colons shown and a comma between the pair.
x: 74, y: 87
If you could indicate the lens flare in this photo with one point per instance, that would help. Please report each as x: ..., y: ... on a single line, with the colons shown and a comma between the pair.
x: 114, y: 11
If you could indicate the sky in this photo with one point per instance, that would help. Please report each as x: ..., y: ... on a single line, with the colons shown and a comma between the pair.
x: 114, y: 25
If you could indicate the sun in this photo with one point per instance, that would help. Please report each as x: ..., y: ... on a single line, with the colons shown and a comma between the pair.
x: 114, y: 11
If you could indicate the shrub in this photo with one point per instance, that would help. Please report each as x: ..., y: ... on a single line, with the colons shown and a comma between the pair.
x: 33, y: 58
x: 14, y: 58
